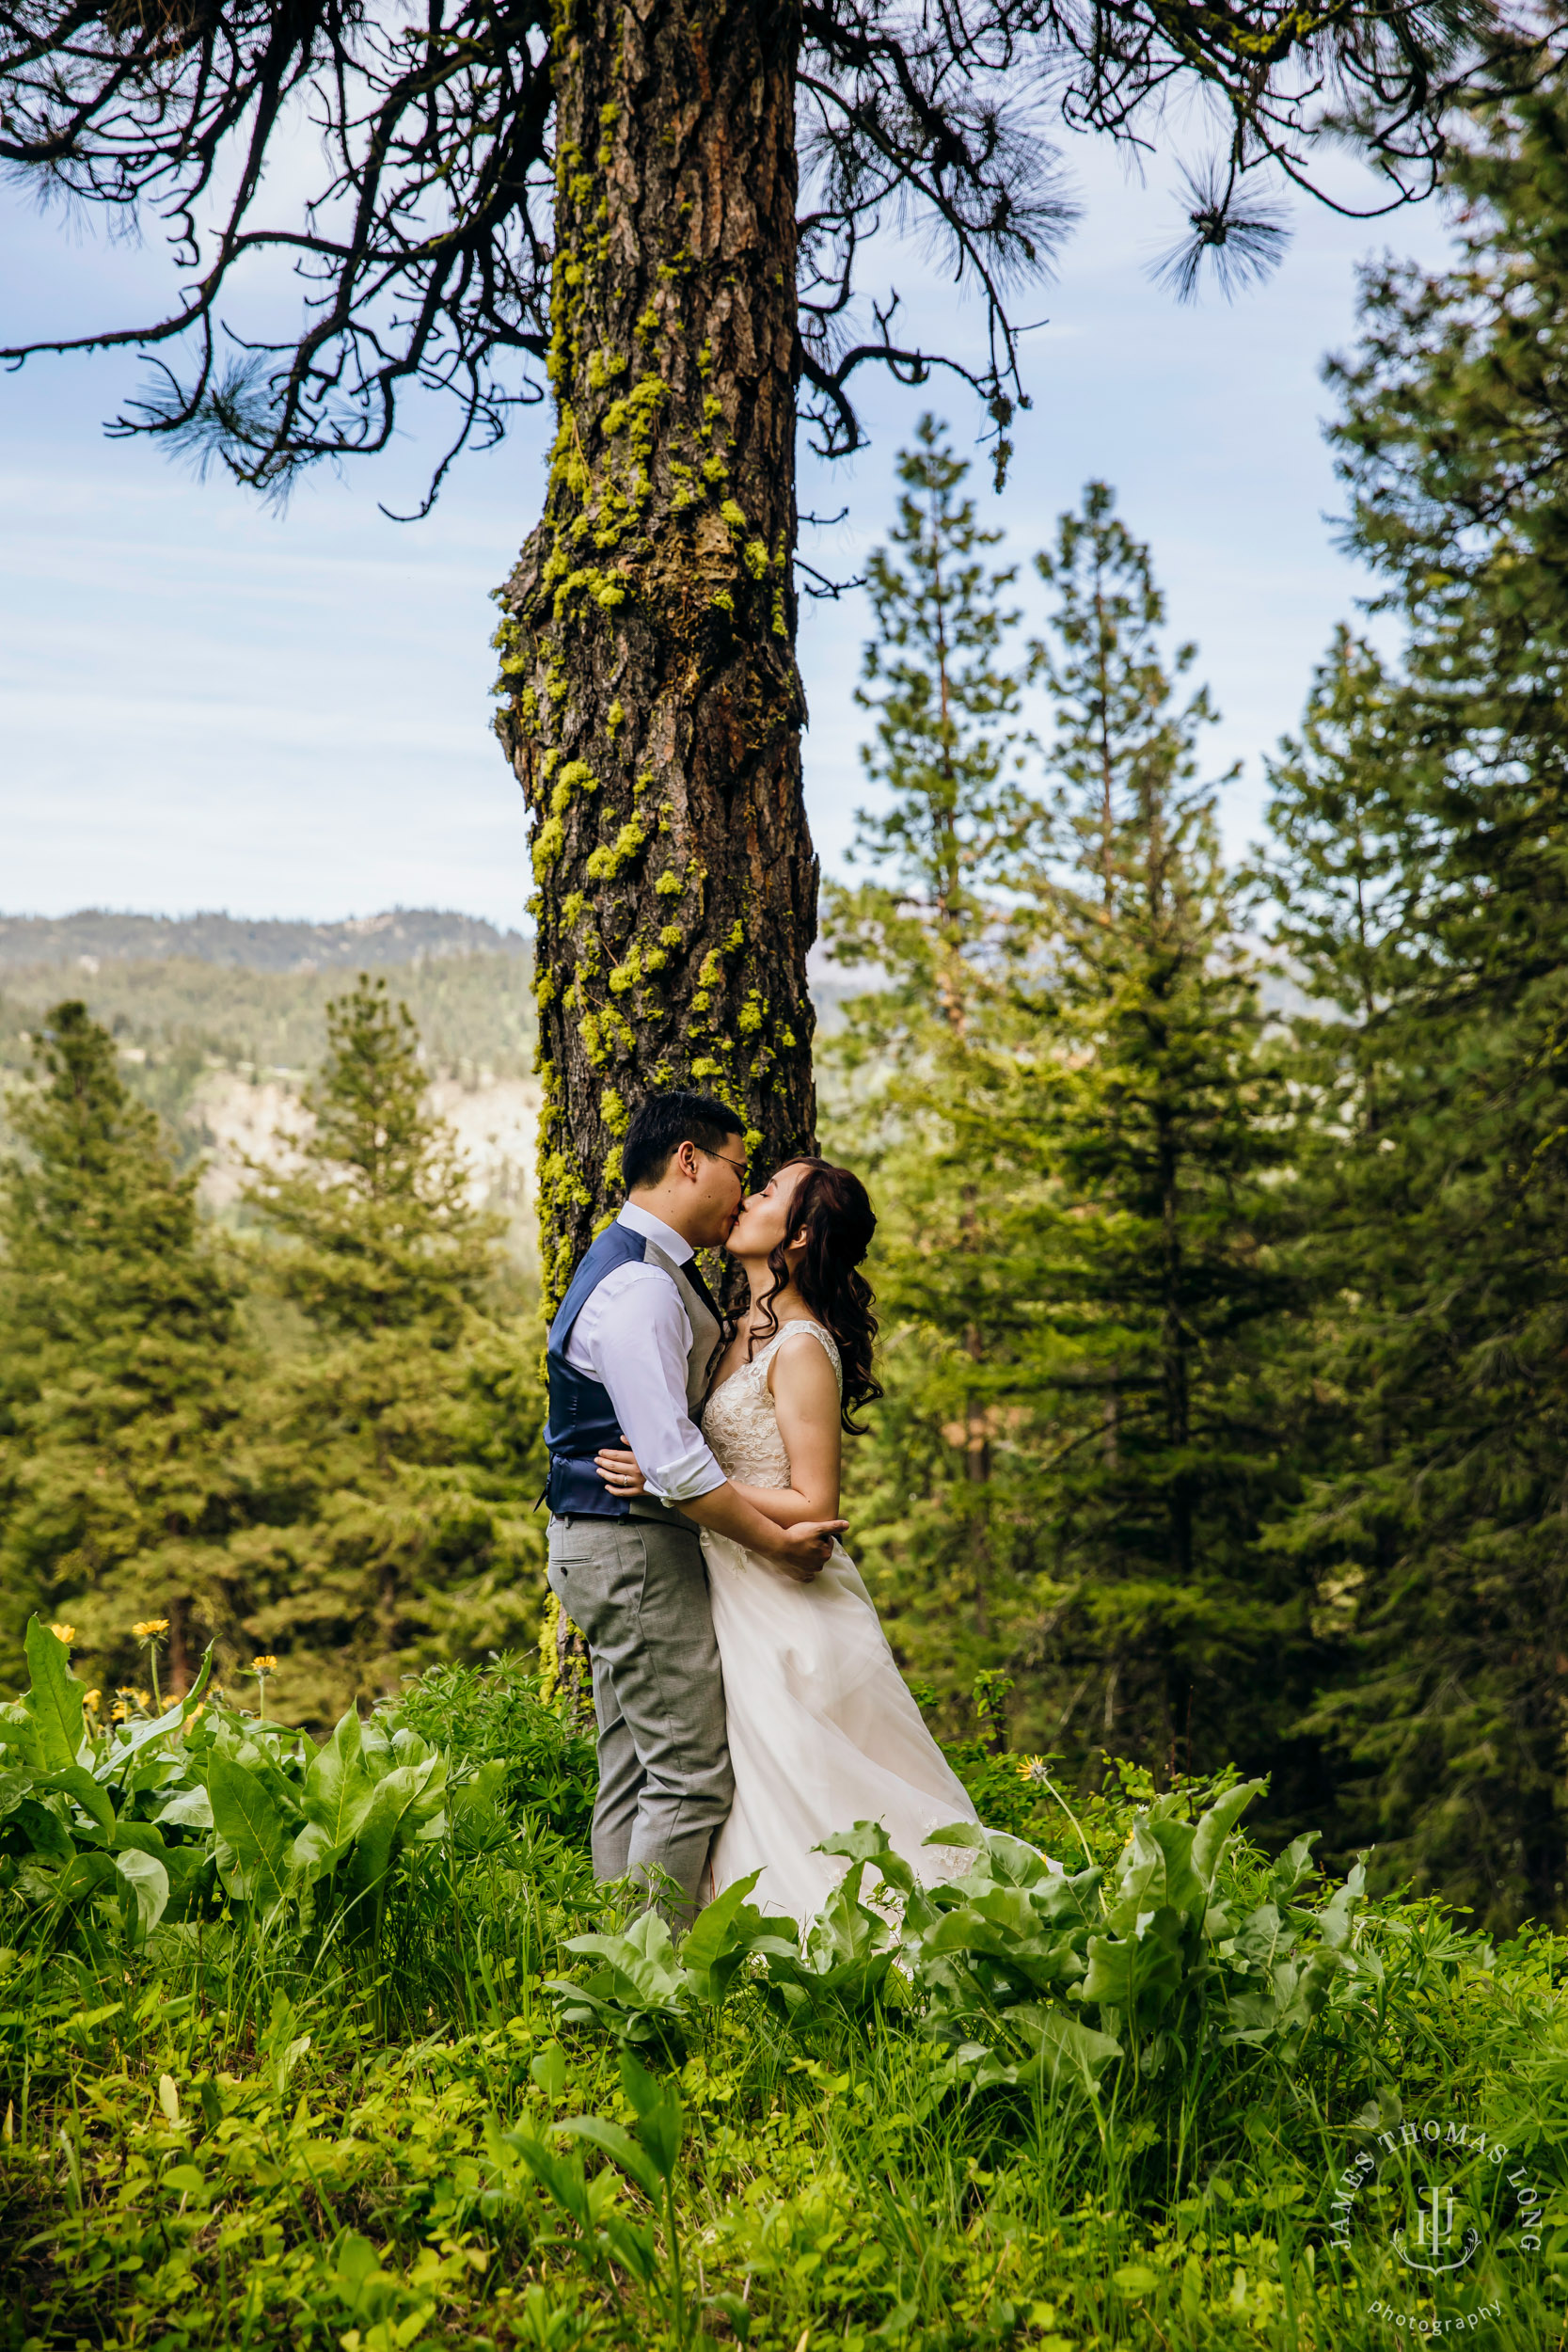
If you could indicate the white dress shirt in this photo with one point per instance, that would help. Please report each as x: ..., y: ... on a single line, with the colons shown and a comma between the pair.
x: 634, y: 1337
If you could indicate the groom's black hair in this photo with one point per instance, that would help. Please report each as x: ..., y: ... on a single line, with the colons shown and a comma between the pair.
x: 663, y: 1123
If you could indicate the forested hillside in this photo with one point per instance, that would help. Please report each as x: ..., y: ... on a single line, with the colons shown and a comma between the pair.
x: 219, y: 1024
x: 403, y: 935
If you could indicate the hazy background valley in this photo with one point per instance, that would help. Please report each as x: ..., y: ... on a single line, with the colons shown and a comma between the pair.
x: 219, y: 1024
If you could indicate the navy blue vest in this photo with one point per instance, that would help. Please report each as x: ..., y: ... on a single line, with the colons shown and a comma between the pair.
x: 582, y: 1419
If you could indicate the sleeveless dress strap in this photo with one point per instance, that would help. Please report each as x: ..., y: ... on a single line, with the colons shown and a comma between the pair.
x: 800, y: 1324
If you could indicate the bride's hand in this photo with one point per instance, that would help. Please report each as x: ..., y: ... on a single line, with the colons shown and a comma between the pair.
x: 617, y: 1466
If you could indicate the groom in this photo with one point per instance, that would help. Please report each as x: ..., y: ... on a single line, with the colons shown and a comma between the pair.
x: 630, y: 1350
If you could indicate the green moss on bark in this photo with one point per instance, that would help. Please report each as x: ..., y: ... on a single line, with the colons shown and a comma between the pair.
x: 649, y: 695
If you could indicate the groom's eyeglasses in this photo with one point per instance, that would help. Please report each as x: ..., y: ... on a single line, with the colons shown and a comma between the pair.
x: 741, y: 1168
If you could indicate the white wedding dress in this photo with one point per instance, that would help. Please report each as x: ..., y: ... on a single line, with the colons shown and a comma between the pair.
x: 823, y: 1732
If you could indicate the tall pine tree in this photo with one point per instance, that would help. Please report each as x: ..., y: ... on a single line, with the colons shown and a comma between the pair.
x: 1072, y: 1152
x: 945, y: 840
x: 124, y: 1376
x: 412, y: 1418
x: 1156, y: 1281
x: 947, y: 750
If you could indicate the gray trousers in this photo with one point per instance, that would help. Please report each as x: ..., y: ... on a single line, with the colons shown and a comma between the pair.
x: 638, y: 1589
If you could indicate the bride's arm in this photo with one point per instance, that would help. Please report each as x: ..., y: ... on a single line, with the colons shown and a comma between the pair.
x: 805, y: 1398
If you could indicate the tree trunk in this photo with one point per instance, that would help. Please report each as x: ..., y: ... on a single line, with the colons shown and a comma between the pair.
x: 977, y: 1470
x: 653, y: 707
x: 1174, y: 1343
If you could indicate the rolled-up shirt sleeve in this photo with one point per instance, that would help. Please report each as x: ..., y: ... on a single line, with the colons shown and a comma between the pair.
x: 635, y: 1332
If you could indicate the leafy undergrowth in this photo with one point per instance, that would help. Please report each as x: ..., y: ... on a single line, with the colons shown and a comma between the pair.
x: 341, y: 2047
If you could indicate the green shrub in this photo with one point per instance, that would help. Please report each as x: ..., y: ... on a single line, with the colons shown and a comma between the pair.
x: 494, y: 1714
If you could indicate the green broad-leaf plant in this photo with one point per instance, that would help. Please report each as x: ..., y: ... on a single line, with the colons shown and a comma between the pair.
x: 178, y: 1816
x: 1024, y: 1973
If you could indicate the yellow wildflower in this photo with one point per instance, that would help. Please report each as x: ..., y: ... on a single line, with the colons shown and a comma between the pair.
x: 263, y: 1665
x: 90, y: 1701
x: 66, y: 1633
x: 149, y: 1628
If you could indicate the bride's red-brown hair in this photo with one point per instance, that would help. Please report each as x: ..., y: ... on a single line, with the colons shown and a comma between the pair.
x: 832, y: 1208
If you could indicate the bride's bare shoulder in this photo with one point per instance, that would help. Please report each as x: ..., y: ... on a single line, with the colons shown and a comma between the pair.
x: 808, y: 1359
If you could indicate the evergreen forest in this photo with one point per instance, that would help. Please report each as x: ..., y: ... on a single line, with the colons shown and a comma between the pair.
x: 1217, y: 1506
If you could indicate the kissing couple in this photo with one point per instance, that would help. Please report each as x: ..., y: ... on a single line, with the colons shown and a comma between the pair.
x: 748, y: 1702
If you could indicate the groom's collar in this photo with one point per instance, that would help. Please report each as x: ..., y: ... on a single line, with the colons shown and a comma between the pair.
x: 673, y: 1244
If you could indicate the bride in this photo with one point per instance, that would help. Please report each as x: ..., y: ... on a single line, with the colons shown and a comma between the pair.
x: 822, y: 1730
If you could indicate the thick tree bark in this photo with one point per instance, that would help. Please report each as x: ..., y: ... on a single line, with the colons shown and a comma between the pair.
x: 653, y: 707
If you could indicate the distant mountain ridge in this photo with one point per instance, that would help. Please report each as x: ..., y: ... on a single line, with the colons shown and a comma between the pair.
x: 403, y: 935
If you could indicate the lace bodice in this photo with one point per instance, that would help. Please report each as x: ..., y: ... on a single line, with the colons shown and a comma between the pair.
x: 739, y: 1421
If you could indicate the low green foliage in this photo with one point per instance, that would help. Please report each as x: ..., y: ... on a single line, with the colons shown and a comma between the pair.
x: 1002, y: 1963
x: 493, y: 1716
x: 365, y: 2081
x: 204, y: 1809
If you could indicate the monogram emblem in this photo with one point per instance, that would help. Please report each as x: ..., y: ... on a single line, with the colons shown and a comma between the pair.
x: 1435, y: 2233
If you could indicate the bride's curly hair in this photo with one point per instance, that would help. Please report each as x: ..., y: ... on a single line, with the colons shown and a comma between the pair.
x: 832, y: 1208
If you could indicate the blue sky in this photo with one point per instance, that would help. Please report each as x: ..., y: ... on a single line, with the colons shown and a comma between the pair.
x: 203, y: 705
